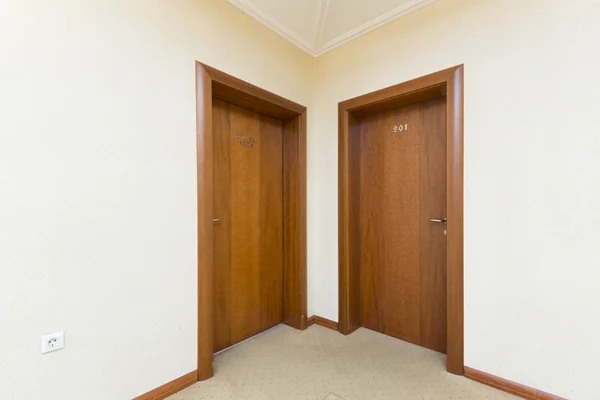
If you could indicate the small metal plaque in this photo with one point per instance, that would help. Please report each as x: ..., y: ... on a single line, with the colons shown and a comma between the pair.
x: 245, y: 141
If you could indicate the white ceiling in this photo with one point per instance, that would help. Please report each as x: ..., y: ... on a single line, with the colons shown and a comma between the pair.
x: 317, y: 26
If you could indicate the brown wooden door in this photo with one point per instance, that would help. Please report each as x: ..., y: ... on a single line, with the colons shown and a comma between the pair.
x: 402, y: 260
x: 248, y: 238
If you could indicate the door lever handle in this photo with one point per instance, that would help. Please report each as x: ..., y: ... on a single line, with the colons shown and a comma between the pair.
x: 439, y: 221
x: 215, y: 220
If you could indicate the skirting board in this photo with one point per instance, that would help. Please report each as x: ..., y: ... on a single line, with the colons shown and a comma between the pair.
x: 166, y: 390
x: 327, y: 323
x: 525, y: 392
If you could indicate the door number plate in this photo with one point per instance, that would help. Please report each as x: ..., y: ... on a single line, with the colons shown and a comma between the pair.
x: 400, y: 128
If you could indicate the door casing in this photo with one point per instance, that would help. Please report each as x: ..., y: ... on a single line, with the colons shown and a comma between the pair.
x: 448, y: 82
x: 212, y: 83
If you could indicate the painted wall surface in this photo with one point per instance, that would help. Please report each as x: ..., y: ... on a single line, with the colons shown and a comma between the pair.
x: 98, y: 184
x: 532, y: 175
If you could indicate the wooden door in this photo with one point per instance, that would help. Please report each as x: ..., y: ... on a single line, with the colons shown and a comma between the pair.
x: 248, y: 236
x: 402, y: 255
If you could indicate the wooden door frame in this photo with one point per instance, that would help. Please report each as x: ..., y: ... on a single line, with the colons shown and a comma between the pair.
x: 448, y: 82
x: 212, y: 83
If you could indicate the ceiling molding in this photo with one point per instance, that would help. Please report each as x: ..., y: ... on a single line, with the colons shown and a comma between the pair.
x: 321, y: 15
x: 373, y: 24
x: 312, y: 45
x: 254, y: 12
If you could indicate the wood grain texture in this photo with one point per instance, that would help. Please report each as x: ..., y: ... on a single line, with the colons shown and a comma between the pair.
x: 418, y: 90
x: 204, y: 170
x: 300, y: 307
x: 212, y: 84
x: 455, y: 238
x: 166, y: 390
x: 271, y: 222
x: 432, y: 241
x: 245, y: 229
x: 370, y: 227
x: 227, y: 93
x: 437, y: 91
x: 244, y: 94
x: 290, y: 218
x: 324, y: 322
x: 222, y: 229
x: 403, y: 184
x: 248, y: 193
x: 241, y: 93
x: 349, y: 182
x: 511, y: 387
x: 294, y: 216
x: 355, y: 287
x: 409, y: 92
x: 400, y: 230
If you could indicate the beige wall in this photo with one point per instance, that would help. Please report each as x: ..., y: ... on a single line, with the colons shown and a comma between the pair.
x: 97, y: 180
x: 98, y: 184
x: 532, y: 175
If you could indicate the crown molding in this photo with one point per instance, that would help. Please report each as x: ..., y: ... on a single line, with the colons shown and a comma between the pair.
x: 373, y: 24
x: 319, y: 23
x: 315, y: 49
x: 250, y: 9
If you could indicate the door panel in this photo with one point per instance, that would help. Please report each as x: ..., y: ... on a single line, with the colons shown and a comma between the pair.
x: 248, y: 200
x: 402, y: 255
x: 400, y: 188
x: 271, y: 222
x: 245, y: 283
x: 432, y: 241
x: 222, y: 230
x: 372, y: 277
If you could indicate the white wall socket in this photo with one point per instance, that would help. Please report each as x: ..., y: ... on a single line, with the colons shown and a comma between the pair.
x: 53, y: 341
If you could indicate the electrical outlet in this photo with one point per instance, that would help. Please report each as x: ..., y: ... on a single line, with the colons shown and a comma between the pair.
x: 53, y: 341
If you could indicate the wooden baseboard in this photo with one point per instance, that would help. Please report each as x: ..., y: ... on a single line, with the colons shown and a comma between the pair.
x: 327, y: 323
x: 164, y: 391
x: 507, y: 386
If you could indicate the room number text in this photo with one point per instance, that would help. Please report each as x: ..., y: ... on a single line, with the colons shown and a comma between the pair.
x: 400, y: 128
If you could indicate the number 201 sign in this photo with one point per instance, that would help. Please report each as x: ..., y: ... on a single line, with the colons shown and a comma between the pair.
x: 400, y: 128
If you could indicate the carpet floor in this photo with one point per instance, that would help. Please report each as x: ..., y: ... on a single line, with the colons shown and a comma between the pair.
x: 319, y: 363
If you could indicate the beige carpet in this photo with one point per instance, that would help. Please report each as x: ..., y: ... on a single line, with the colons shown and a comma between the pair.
x: 322, y: 364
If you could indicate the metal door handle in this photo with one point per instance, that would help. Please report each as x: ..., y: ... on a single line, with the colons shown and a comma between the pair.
x: 215, y: 220
x: 440, y: 221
